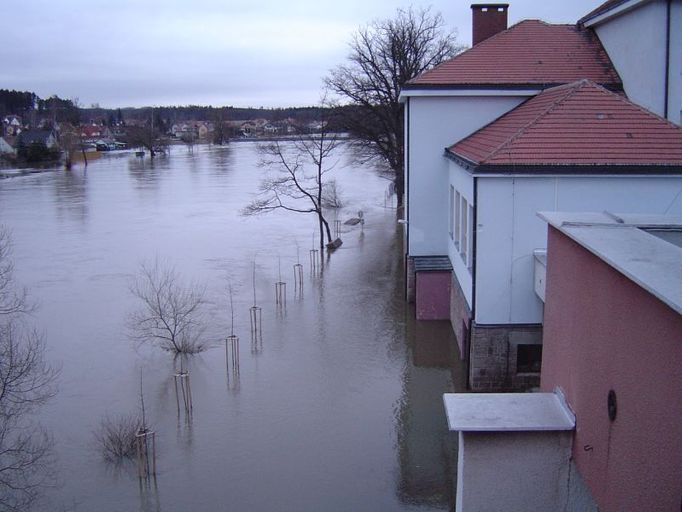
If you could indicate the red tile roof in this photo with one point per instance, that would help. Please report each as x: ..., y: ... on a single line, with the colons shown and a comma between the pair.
x: 530, y: 53
x: 579, y: 124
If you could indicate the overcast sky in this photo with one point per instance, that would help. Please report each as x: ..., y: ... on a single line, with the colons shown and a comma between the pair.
x: 221, y: 52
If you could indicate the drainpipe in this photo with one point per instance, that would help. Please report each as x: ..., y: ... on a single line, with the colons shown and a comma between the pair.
x: 473, y: 282
x: 667, y: 57
x: 406, y: 191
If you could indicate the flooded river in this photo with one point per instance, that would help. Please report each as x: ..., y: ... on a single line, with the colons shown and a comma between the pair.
x: 340, y: 407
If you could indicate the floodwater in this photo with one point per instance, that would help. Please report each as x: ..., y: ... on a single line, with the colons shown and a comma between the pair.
x: 338, y: 409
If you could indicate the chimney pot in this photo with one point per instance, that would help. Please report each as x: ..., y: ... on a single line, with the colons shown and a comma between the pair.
x: 488, y: 20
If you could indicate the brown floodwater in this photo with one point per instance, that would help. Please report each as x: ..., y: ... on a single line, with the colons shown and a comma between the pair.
x: 338, y: 409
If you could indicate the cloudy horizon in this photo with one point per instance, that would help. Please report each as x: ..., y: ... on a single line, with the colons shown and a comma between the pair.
x: 242, y: 54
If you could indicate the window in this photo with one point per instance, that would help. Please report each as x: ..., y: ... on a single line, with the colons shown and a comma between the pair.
x: 464, y: 239
x: 458, y: 199
x: 528, y: 358
x: 452, y: 212
x: 470, y: 259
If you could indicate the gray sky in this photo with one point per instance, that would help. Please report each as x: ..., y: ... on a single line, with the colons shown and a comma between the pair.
x: 222, y: 52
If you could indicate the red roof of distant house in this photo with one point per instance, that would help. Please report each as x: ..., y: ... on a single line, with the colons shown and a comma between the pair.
x: 91, y: 130
x: 530, y: 53
x: 579, y: 124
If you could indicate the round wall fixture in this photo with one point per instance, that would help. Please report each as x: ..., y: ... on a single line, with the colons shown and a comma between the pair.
x: 612, y: 405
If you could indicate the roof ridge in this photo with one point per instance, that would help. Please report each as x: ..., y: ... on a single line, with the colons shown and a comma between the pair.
x: 639, y: 107
x: 572, y: 89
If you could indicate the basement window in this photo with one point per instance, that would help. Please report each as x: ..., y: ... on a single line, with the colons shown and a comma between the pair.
x: 528, y: 358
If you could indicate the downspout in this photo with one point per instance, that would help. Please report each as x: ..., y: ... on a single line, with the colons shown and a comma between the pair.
x: 474, y: 251
x: 667, y: 57
x: 406, y: 192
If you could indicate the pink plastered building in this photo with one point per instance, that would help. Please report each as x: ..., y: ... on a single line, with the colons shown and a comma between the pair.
x: 613, y: 345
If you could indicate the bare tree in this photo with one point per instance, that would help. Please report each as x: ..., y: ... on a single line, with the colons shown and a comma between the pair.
x: 298, y: 184
x: 26, y: 382
x: 115, y: 437
x: 383, y: 56
x: 171, y: 314
x: 12, y: 300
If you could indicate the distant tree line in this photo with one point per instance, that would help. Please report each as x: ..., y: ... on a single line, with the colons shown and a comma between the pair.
x: 58, y: 110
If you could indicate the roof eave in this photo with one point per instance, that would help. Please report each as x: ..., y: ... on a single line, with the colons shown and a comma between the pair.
x: 577, y: 169
x: 511, y: 86
x: 461, y: 160
x: 601, y: 16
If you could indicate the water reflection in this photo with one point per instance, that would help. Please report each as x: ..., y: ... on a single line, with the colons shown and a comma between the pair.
x: 427, y: 451
x: 343, y: 411
x: 71, y: 194
x: 146, y: 171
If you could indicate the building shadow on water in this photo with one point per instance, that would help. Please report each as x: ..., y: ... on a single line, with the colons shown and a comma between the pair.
x: 426, y: 449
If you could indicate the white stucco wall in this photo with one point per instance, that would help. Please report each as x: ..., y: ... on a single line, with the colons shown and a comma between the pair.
x: 636, y: 44
x: 434, y: 124
x: 508, y: 230
x: 512, y: 471
x: 675, y: 99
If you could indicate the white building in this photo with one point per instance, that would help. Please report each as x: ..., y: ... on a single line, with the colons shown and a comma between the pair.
x: 484, y: 221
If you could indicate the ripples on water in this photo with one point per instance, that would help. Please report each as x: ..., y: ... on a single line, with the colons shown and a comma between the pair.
x: 341, y: 410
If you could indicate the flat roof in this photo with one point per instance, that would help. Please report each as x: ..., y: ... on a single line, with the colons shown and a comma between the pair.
x: 507, y: 412
x: 624, y: 242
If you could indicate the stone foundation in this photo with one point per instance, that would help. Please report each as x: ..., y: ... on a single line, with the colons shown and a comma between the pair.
x: 411, y: 283
x: 460, y: 316
x: 493, y: 357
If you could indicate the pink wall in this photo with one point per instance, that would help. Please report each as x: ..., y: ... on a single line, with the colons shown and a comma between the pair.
x: 604, y: 332
x: 433, y: 295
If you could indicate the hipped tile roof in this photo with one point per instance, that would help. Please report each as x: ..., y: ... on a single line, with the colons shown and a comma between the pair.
x: 530, y: 53
x: 577, y: 125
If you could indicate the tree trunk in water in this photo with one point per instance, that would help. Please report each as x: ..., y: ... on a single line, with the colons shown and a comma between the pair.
x: 326, y: 227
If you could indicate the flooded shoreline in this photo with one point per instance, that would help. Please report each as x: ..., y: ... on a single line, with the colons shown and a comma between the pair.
x: 341, y: 408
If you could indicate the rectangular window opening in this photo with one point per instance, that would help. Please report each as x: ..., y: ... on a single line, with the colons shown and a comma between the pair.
x: 452, y: 212
x: 458, y: 199
x: 528, y: 358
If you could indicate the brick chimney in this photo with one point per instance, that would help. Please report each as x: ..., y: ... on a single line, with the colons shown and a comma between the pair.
x: 488, y: 20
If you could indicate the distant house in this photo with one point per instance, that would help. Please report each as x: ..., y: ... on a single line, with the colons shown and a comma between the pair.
x: 12, y: 125
x: 5, y: 147
x: 526, y: 116
x: 45, y: 138
x: 93, y: 132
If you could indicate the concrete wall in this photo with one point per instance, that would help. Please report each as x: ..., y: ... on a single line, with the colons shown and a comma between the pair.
x: 515, y: 471
x: 603, y: 332
x: 508, y: 230
x: 636, y: 44
x: 435, y: 123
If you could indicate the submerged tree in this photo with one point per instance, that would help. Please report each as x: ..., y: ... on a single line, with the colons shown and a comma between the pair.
x: 383, y: 56
x: 115, y: 437
x: 171, y: 313
x: 298, y: 184
x: 26, y: 382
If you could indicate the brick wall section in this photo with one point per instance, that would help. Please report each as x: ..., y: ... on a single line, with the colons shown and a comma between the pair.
x: 460, y: 315
x: 492, y: 361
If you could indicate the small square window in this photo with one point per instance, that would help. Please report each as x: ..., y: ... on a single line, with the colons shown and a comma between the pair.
x: 528, y: 358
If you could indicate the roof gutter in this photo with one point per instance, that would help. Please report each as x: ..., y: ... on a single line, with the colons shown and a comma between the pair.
x: 667, y: 59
